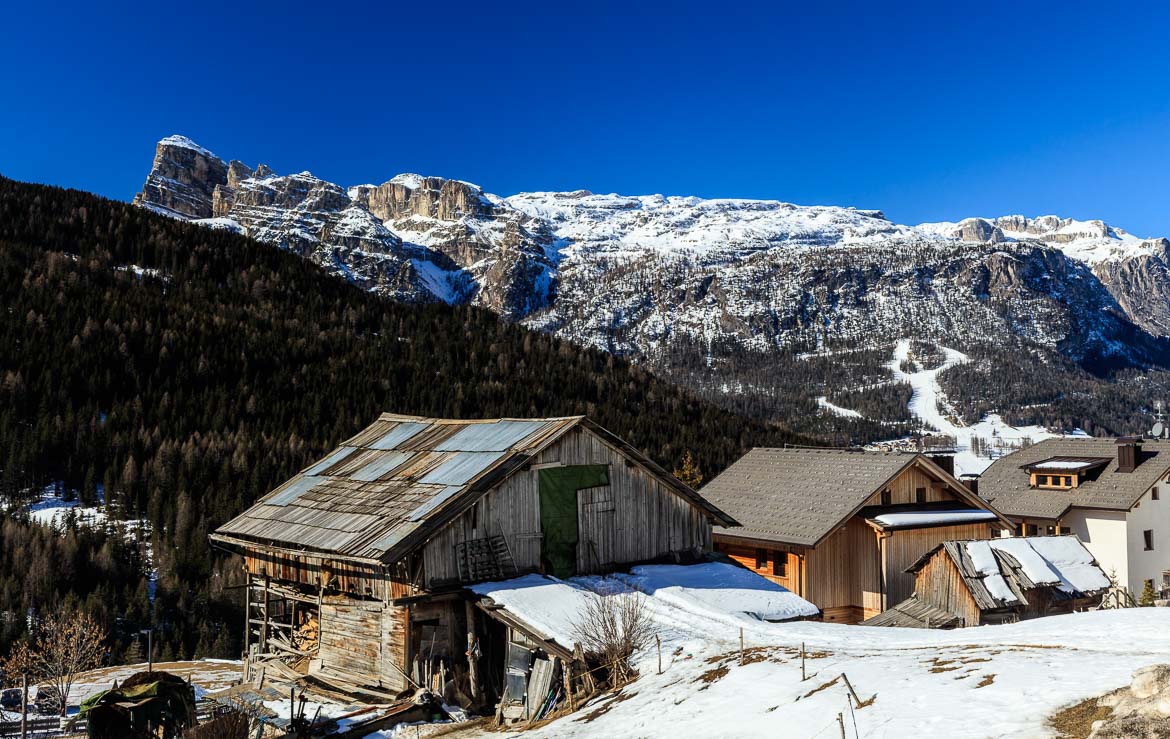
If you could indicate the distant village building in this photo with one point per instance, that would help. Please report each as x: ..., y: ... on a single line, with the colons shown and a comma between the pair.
x: 972, y: 583
x: 1111, y: 493
x: 840, y: 527
x: 359, y: 566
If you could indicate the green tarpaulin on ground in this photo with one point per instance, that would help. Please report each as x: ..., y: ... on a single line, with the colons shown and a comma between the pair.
x: 558, y: 511
x: 166, y: 701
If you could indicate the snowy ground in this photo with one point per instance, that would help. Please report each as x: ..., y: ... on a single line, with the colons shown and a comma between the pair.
x: 835, y: 409
x: 992, y: 681
x: 51, y: 508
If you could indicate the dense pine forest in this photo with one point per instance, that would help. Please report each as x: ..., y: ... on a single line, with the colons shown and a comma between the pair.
x: 180, y: 372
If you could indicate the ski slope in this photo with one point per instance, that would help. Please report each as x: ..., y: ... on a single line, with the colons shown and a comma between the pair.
x: 929, y: 404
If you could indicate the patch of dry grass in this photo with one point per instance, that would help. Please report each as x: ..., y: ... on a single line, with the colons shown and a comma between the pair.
x: 1076, y: 721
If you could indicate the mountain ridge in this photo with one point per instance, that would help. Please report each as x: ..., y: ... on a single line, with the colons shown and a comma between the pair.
x: 695, y: 288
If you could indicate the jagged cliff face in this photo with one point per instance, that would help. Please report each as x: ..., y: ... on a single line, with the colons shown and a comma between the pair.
x: 652, y: 276
x: 412, y: 238
x: 1135, y: 271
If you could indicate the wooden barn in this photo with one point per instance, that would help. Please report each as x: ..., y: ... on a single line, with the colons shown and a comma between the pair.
x: 971, y: 583
x: 358, y: 566
x: 840, y: 527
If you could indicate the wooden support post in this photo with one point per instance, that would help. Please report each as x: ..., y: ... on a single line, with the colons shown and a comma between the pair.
x: 658, y: 642
x: 568, y: 675
x: 264, y: 627
x: 247, y: 616
x: 472, y: 653
x: 803, y: 676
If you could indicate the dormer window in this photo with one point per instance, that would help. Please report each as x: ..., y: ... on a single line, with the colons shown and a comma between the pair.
x: 1064, y: 473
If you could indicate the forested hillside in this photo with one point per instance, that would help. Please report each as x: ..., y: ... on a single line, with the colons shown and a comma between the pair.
x: 183, y: 371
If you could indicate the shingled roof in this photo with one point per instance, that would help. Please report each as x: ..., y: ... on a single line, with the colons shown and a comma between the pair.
x: 1007, y: 485
x: 799, y: 496
x: 381, y: 491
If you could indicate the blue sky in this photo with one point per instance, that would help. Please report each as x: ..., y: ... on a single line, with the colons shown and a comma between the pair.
x: 928, y: 111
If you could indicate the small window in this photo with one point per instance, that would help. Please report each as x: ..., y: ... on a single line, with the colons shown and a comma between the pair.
x: 1031, y: 530
x: 919, y: 495
x: 887, y: 497
x: 1148, y: 535
x: 1066, y: 481
x: 761, y: 559
x: 1154, y: 494
x: 1042, y: 480
x: 1051, y: 530
x: 780, y: 564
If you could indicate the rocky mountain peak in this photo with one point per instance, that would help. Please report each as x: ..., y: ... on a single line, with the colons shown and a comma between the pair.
x: 182, y: 179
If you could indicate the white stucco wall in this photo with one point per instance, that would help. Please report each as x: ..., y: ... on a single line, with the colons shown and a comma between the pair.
x: 1105, y: 534
x: 1153, y: 515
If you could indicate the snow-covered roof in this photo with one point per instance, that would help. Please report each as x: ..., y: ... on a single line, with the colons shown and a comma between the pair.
x: 548, y: 607
x: 719, y: 589
x: 912, y: 519
x: 999, y: 573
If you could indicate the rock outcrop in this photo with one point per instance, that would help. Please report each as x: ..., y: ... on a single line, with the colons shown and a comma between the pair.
x: 182, y: 179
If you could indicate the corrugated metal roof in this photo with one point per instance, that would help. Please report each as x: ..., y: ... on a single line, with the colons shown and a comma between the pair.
x: 331, y: 459
x: 490, y: 437
x: 400, y: 433
x: 460, y: 467
x: 380, y: 465
x: 383, y: 483
x: 294, y: 489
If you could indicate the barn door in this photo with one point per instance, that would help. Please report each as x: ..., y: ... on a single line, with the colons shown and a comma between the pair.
x: 558, y: 513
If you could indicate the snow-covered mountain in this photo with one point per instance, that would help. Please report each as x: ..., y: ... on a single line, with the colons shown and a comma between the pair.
x: 672, y: 281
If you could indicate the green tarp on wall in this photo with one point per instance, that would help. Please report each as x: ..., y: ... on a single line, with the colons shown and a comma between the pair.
x: 558, y: 512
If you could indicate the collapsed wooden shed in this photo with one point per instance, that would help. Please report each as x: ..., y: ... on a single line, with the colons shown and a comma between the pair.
x: 970, y: 583
x: 358, y: 566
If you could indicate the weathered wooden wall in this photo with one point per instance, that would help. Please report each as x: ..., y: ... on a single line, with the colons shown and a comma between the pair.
x: 843, y: 573
x: 904, y: 548
x: 634, y: 518
x: 902, y: 489
x: 351, y: 638
x: 940, y: 584
x: 354, y: 578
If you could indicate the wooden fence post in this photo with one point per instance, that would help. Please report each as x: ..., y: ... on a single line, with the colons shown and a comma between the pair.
x: 658, y: 641
x: 803, y: 677
x: 841, y: 723
x: 741, y: 645
x: 856, y: 700
x: 24, y: 706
